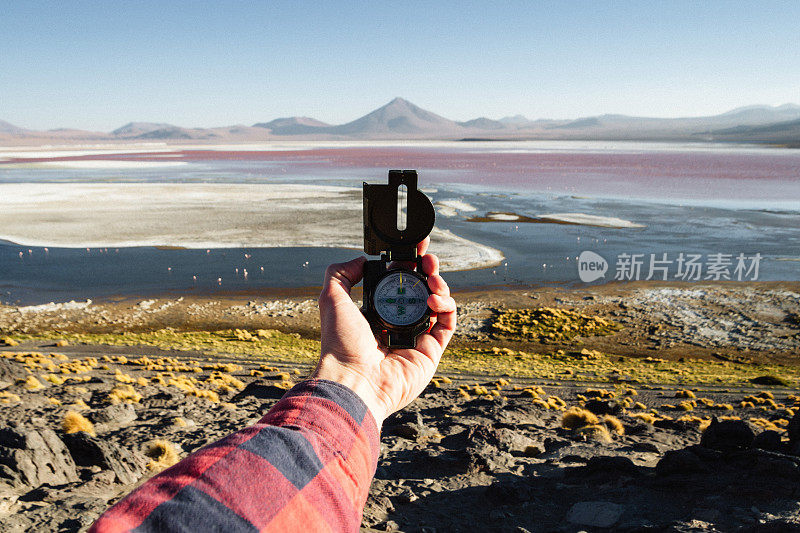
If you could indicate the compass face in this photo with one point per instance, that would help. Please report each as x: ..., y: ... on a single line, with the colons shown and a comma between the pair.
x: 401, y: 298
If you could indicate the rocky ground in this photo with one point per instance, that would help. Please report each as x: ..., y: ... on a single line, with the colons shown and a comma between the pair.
x: 475, y: 451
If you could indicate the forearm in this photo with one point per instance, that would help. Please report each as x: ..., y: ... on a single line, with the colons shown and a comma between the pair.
x: 307, y: 464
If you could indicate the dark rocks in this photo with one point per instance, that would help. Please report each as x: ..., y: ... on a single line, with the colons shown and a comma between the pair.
x: 509, y: 492
x: 10, y: 373
x: 603, y: 407
x: 595, y: 514
x: 610, y: 465
x: 89, y: 451
x: 680, y: 462
x: 768, y: 440
x: 647, y: 447
x: 260, y: 391
x: 793, y: 430
x: 727, y: 435
x: 31, y: 457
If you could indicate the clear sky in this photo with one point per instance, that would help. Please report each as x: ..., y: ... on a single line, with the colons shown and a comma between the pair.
x: 97, y: 65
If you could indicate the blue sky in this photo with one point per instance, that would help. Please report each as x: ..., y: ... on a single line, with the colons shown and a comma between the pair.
x: 97, y: 65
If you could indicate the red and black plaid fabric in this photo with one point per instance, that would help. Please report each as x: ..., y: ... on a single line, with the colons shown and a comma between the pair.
x: 307, y: 465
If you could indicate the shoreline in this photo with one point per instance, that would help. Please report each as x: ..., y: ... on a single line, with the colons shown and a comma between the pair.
x: 671, y: 320
x: 204, y: 216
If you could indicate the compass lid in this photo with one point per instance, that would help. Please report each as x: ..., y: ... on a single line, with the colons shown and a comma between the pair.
x: 381, y: 233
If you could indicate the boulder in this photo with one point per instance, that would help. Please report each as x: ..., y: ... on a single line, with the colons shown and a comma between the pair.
x: 120, y: 414
x: 92, y: 451
x: 768, y: 440
x: 679, y: 462
x: 727, y: 435
x: 29, y: 458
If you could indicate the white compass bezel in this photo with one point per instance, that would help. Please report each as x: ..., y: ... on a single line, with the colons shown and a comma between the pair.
x: 422, y: 305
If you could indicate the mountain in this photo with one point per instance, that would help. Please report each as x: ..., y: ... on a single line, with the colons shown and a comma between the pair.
x: 483, y: 123
x: 763, y: 114
x: 135, y: 129
x: 516, y: 120
x: 779, y: 132
x: 398, y: 117
x: 7, y: 127
x: 293, y: 126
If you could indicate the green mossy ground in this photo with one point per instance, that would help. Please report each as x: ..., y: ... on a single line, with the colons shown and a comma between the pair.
x: 547, y: 324
x: 582, y: 365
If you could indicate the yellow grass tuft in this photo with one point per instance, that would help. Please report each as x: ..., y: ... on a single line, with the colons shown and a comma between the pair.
x: 124, y: 393
x: 541, y: 403
x: 647, y: 418
x: 62, y: 343
x: 162, y: 453
x: 765, y: 424
x: 575, y: 418
x: 556, y: 403
x: 180, y: 422
x: 9, y: 397
x: 597, y: 432
x: 766, y: 395
x: 531, y: 451
x: 31, y: 383
x: 685, y: 393
x: 627, y: 402
x: 599, y: 393
x: 613, y: 424
x: 8, y: 341
x: 74, y: 422
x: 54, y: 401
x: 639, y: 405
x: 79, y: 404
x: 722, y: 407
x: 54, y: 379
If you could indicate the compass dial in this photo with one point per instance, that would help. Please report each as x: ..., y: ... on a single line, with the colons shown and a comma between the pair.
x: 401, y: 298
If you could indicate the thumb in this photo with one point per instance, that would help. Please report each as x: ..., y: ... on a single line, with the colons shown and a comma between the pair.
x: 340, y: 277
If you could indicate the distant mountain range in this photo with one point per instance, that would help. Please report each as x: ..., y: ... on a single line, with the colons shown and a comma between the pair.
x: 400, y: 119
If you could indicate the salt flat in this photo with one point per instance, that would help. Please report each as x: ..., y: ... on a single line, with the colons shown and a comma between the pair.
x: 195, y: 215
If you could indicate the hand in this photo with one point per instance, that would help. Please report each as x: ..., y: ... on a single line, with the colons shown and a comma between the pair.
x: 387, y: 380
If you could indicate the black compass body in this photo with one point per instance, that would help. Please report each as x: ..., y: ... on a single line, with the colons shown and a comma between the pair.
x: 395, y: 288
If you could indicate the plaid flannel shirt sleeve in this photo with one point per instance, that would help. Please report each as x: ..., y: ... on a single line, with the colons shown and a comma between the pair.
x: 305, y: 466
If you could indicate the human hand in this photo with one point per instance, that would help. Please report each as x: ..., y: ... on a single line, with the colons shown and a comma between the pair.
x: 387, y: 380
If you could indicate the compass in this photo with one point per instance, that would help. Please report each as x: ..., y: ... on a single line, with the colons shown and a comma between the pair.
x: 400, y: 301
x: 397, y: 216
